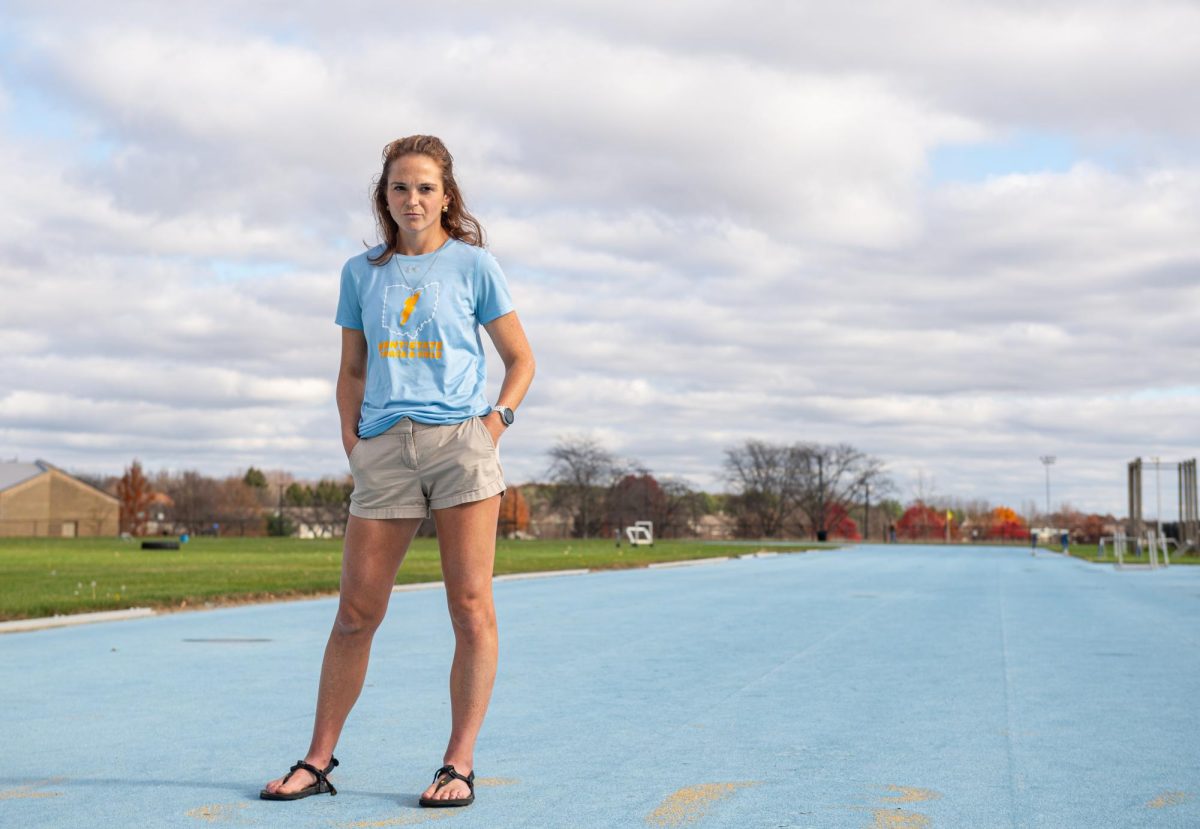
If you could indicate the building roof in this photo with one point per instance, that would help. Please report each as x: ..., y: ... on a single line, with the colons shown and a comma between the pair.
x: 15, y: 472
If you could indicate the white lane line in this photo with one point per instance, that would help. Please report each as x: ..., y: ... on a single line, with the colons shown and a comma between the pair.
x: 543, y: 574
x: 662, y: 565
x: 21, y: 625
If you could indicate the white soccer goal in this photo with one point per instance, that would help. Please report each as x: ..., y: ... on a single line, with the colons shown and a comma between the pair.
x: 640, y: 534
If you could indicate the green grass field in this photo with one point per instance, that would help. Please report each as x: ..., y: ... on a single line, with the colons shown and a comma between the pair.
x: 43, y: 577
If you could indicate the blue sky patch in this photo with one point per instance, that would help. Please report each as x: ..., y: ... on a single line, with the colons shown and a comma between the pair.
x: 1023, y: 152
x: 32, y: 115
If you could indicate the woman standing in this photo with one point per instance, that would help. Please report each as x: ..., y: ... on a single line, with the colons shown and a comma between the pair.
x: 421, y: 437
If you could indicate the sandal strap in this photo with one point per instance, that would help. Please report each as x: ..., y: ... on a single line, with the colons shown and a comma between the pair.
x: 449, y: 771
x: 323, y: 784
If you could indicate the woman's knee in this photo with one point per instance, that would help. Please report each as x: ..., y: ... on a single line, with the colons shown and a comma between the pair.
x: 473, y: 614
x: 354, y: 619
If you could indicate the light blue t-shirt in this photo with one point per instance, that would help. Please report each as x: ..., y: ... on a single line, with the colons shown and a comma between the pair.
x: 421, y: 316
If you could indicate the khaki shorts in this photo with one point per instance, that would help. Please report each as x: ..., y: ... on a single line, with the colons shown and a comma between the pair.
x: 413, y: 468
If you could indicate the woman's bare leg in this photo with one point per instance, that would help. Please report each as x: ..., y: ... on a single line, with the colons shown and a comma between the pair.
x: 374, y: 549
x: 467, y: 539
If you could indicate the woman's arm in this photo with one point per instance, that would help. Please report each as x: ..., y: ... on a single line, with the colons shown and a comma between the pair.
x: 509, y: 338
x: 351, y: 384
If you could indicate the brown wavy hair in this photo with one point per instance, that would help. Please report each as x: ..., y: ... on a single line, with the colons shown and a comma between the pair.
x: 456, y: 221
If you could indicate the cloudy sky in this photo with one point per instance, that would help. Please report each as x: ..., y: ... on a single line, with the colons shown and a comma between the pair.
x: 958, y: 235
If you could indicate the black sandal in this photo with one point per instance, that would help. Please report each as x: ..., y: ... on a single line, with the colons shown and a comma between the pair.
x: 320, y: 787
x: 442, y: 777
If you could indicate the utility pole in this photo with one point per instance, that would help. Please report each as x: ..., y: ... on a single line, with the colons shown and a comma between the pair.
x: 822, y: 529
x: 867, y: 511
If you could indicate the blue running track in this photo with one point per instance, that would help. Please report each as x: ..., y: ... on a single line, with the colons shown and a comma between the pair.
x: 869, y: 687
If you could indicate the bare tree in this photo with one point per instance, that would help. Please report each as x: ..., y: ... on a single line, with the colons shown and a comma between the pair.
x: 683, y: 508
x: 195, y: 497
x: 810, y: 480
x: 238, y: 507
x: 835, y: 475
x: 582, y: 472
x: 875, y: 484
x: 768, y: 480
x: 923, y: 488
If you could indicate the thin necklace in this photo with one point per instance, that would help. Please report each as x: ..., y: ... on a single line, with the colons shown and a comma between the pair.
x: 428, y: 268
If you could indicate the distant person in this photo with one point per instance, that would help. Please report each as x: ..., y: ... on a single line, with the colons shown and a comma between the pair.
x: 421, y: 439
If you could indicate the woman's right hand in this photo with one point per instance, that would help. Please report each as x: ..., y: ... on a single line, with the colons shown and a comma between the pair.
x: 348, y: 442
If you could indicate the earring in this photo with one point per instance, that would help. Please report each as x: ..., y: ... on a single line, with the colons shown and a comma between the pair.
x: 445, y: 208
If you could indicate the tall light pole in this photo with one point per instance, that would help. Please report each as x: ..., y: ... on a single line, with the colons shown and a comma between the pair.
x: 1047, y: 461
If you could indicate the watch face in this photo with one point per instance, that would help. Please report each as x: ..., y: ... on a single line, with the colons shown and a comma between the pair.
x: 506, y: 415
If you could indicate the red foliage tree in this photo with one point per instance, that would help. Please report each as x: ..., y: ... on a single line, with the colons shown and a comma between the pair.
x: 840, y: 524
x: 514, y: 512
x: 635, y: 498
x: 921, y: 521
x: 135, y: 495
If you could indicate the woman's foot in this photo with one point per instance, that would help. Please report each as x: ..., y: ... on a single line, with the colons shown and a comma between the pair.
x: 300, y: 779
x: 449, y: 787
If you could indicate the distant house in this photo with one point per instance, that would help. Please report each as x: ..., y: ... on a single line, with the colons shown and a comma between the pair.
x: 39, y: 499
x: 711, y: 526
x: 158, y: 515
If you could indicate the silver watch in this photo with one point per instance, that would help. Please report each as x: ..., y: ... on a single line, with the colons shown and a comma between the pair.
x: 506, y: 414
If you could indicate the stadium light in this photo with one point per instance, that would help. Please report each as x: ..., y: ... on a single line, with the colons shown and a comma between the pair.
x: 1047, y: 461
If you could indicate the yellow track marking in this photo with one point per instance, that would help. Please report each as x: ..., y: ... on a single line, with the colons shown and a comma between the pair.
x: 899, y: 819
x: 1169, y: 799
x: 216, y: 812
x: 27, y: 791
x: 691, y: 803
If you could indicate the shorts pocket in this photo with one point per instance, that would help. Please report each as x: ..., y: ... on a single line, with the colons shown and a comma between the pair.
x: 486, y: 435
x: 354, y: 449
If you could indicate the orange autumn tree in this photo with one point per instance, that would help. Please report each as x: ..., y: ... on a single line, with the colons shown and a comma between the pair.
x: 1005, y: 523
x: 514, y: 512
x: 135, y: 494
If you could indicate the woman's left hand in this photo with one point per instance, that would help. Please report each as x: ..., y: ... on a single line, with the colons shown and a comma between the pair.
x: 495, y: 426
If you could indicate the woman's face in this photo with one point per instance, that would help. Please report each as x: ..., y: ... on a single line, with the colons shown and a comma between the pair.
x: 415, y: 194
